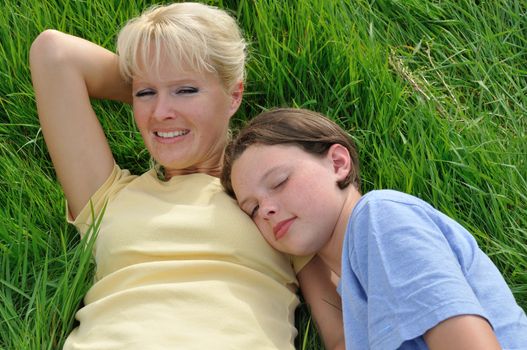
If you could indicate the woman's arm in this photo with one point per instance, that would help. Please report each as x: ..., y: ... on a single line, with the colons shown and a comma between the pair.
x: 465, y: 332
x: 67, y: 71
x: 319, y: 290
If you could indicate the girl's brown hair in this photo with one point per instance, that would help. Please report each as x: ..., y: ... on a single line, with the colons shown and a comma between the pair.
x: 311, y: 131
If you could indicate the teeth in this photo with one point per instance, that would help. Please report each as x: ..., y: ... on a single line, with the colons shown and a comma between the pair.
x: 172, y: 133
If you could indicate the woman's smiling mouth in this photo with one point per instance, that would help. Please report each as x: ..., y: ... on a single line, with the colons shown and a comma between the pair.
x: 171, y: 134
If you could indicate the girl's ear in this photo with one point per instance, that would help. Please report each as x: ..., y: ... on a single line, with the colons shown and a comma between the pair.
x: 340, y: 160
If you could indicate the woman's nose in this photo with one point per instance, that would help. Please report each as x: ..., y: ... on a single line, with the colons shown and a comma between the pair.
x: 163, y: 108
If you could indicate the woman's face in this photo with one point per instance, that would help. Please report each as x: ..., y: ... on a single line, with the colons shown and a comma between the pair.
x: 183, y: 117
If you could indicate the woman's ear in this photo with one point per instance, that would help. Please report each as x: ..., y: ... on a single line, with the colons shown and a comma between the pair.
x: 340, y: 159
x: 236, y: 94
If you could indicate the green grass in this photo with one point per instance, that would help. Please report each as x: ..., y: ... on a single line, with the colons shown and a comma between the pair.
x: 434, y: 92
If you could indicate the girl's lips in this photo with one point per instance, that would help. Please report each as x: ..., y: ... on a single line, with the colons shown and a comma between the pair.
x: 281, y: 229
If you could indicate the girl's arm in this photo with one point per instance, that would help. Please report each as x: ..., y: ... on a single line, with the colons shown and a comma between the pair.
x: 465, y: 332
x: 67, y: 71
x: 319, y: 291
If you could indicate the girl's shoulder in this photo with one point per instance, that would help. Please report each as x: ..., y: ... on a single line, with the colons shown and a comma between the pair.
x: 391, y: 199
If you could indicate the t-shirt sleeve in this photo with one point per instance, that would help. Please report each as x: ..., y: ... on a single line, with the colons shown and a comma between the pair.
x: 93, y: 210
x: 409, y: 271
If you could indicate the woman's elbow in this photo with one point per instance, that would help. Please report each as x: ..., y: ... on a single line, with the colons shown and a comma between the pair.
x: 47, y: 50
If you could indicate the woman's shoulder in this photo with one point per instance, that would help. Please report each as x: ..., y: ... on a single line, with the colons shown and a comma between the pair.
x: 116, y: 181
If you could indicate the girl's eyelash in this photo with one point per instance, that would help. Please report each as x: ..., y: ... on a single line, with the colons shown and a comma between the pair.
x: 253, y: 212
x: 280, y: 183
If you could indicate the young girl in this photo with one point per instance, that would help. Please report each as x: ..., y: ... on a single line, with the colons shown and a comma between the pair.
x: 410, y: 277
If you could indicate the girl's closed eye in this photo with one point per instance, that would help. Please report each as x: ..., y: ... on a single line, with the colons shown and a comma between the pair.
x: 254, y: 211
x: 282, y: 181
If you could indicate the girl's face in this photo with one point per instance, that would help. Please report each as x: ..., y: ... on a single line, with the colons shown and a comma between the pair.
x: 290, y: 194
x: 183, y: 117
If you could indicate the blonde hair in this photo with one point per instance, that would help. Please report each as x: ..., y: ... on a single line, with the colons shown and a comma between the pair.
x: 190, y: 34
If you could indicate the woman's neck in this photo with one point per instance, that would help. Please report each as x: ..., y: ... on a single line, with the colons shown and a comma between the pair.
x: 215, y: 172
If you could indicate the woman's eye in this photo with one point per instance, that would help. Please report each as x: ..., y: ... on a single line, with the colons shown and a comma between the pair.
x: 254, y: 211
x: 143, y: 93
x: 187, y: 90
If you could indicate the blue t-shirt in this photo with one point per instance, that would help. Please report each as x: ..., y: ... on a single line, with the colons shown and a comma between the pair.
x: 406, y: 267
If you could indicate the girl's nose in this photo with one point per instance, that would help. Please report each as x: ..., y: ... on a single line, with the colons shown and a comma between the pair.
x: 268, y: 208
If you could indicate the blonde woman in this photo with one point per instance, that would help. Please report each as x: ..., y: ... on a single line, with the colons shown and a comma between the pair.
x: 179, y: 265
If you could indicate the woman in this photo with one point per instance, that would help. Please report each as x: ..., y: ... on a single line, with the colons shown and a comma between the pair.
x: 178, y: 264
